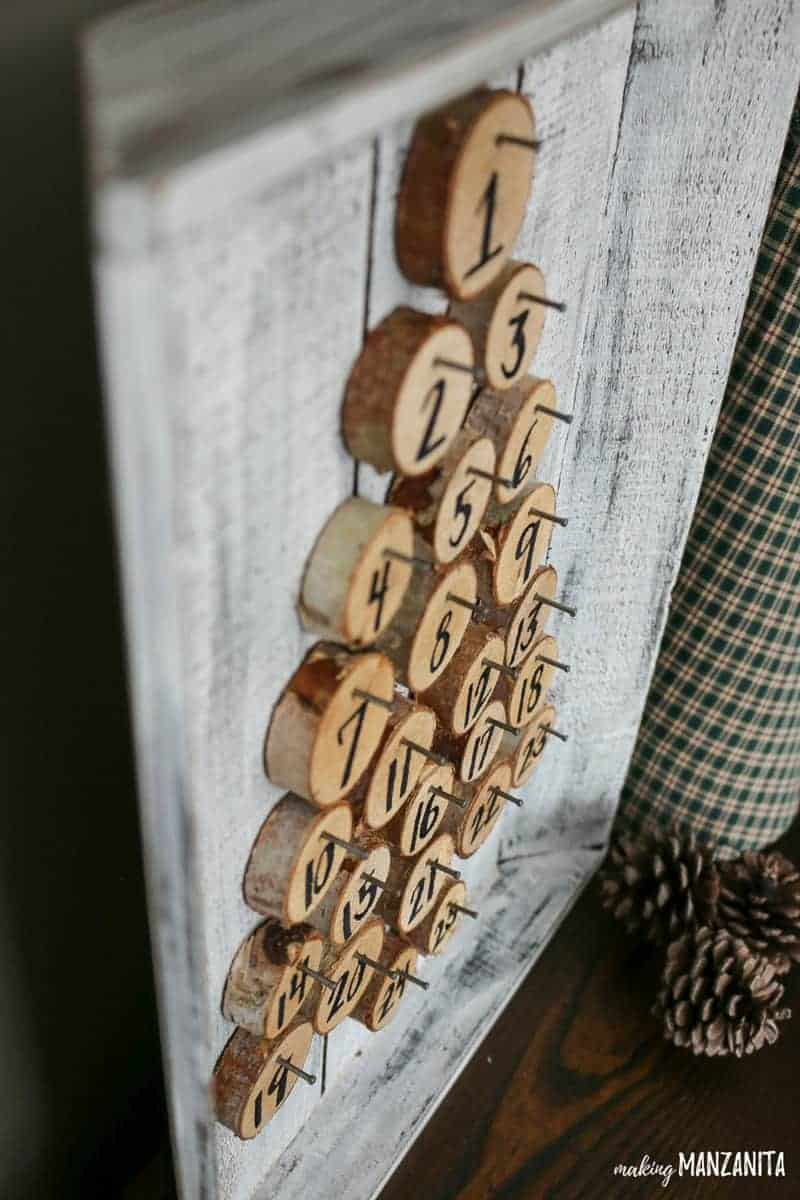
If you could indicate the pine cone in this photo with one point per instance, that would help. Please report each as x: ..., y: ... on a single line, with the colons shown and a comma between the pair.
x: 660, y: 885
x: 718, y: 996
x: 760, y: 902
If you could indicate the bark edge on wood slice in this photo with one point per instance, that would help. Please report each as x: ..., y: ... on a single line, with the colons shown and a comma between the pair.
x: 351, y: 588
x: 505, y: 329
x: 449, y: 503
x: 350, y: 975
x: 402, y: 408
x: 264, y: 990
x: 291, y: 864
x: 464, y: 193
x: 380, y: 1002
x: 249, y: 1085
x: 519, y: 431
x: 306, y: 748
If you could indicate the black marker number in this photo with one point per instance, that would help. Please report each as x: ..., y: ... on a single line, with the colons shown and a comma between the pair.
x: 525, y: 549
x: 464, y: 511
x: 377, y: 594
x: 518, y: 342
x: 356, y: 715
x: 429, y: 443
x: 530, y: 694
x: 488, y: 201
x: 442, y: 642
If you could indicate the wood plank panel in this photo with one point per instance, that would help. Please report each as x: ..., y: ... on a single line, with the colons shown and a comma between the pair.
x: 700, y: 141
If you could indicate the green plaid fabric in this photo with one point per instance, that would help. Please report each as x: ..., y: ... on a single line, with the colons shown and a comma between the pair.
x: 719, y: 746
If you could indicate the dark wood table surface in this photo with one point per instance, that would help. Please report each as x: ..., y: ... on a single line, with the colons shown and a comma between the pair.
x: 575, y: 1078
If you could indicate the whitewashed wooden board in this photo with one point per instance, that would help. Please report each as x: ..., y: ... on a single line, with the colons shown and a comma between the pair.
x: 245, y: 165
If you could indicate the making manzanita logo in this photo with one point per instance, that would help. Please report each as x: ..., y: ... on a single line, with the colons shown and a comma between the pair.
x: 719, y: 1164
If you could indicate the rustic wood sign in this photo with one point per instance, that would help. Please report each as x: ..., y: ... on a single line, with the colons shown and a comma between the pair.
x: 382, y: 372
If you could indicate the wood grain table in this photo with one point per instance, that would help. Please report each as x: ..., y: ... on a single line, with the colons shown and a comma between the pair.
x: 575, y: 1078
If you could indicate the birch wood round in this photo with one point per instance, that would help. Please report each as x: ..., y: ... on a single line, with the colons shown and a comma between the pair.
x: 464, y: 192
x: 531, y: 746
x: 462, y: 692
x: 519, y: 430
x: 474, y: 753
x: 416, y: 824
x: 404, y: 401
x: 471, y: 827
x: 505, y: 326
x: 292, y: 863
x: 381, y: 1000
x: 430, y: 625
x: 416, y: 884
x: 448, y: 504
x: 352, y: 586
x: 265, y: 989
x: 249, y: 1082
x: 350, y: 975
x: 432, y: 935
x: 530, y: 616
x: 324, y: 729
x: 534, y: 680
x: 354, y: 894
x: 522, y: 544
x: 397, y: 765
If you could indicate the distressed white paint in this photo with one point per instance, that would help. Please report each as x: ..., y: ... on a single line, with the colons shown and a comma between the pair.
x: 231, y: 310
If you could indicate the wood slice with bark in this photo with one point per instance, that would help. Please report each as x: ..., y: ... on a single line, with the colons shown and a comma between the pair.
x: 522, y: 540
x: 433, y: 934
x: 505, y: 324
x: 408, y: 392
x: 474, y: 752
x: 265, y: 990
x: 398, y: 762
x: 355, y: 577
x: 418, y: 821
x: 416, y: 883
x: 430, y: 624
x: 534, y: 679
x: 380, y: 1002
x: 463, y: 690
x: 519, y: 428
x: 464, y: 191
x: 356, y: 892
x: 471, y: 825
x: 448, y: 504
x: 327, y: 723
x: 527, y: 749
x: 349, y: 974
x: 250, y: 1084
x: 293, y: 863
x: 524, y: 624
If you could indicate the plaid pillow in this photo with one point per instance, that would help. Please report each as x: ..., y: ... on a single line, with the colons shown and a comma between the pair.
x: 718, y: 750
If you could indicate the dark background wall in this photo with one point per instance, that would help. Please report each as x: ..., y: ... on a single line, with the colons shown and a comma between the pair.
x: 80, y: 1102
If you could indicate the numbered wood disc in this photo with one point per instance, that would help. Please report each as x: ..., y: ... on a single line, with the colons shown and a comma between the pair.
x: 398, y: 765
x: 523, y: 544
x: 265, y: 988
x: 531, y: 746
x: 250, y: 1083
x: 381, y: 1001
x: 435, y: 932
x: 408, y: 392
x: 532, y: 683
x: 421, y: 817
x: 505, y: 324
x: 360, y: 894
x: 463, y: 691
x: 352, y: 586
x: 482, y: 743
x: 483, y: 811
x: 520, y: 430
x: 292, y: 864
x: 530, y: 616
x: 442, y: 626
x: 351, y: 976
x: 465, y: 191
x: 449, y: 504
x: 424, y: 884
